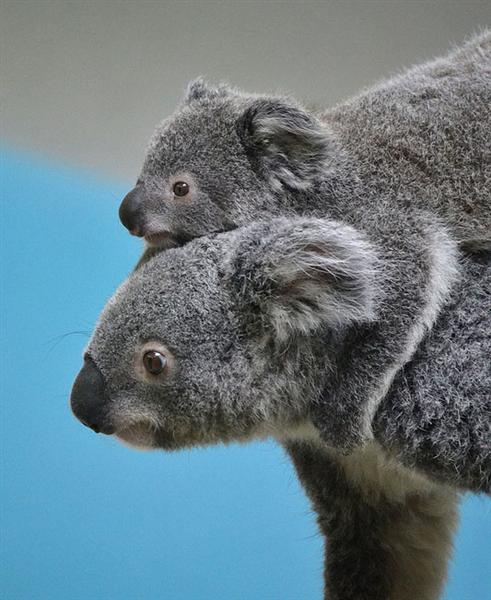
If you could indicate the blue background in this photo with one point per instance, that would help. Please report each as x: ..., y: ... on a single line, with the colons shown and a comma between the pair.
x: 85, y: 517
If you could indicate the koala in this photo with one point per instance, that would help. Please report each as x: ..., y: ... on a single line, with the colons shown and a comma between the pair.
x: 236, y: 336
x: 227, y: 158
x: 407, y: 163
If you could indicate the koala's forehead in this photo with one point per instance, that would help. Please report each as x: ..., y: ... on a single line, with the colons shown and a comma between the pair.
x: 176, y: 298
x: 196, y: 136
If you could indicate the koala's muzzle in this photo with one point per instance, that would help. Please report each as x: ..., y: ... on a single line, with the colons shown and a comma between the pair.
x: 89, y: 399
x: 131, y: 210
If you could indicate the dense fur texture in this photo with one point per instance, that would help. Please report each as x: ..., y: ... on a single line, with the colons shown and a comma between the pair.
x: 407, y: 163
x: 447, y: 388
x: 388, y: 510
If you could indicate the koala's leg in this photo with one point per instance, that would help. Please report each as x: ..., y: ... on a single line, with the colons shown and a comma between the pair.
x: 382, y: 542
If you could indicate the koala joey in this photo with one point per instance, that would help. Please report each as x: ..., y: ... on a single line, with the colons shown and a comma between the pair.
x: 405, y: 163
x: 236, y: 336
x: 416, y: 142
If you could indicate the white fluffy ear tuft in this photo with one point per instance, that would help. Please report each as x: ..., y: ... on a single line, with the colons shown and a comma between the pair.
x: 304, y: 274
x: 292, y: 146
x: 199, y: 90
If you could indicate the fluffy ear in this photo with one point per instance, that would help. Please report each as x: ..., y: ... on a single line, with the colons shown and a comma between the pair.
x: 199, y: 90
x: 291, y: 145
x: 295, y: 276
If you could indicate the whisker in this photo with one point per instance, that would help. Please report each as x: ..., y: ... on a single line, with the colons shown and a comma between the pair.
x: 60, y: 338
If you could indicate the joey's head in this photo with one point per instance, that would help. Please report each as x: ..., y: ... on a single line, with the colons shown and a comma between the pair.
x: 227, y: 338
x: 224, y: 159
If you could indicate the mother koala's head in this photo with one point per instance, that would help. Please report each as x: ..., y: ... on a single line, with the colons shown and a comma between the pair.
x: 227, y: 338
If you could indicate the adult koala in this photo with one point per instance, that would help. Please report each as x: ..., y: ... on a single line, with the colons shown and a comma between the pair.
x: 236, y: 336
x: 406, y: 162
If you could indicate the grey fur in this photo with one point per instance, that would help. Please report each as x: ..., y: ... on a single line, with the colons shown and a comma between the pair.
x: 446, y: 389
x: 407, y: 163
x: 388, y: 511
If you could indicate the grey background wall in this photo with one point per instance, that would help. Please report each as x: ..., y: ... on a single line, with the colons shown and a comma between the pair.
x: 86, y: 81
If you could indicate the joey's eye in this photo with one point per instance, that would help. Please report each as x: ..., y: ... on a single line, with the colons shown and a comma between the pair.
x: 154, y: 362
x: 180, y: 188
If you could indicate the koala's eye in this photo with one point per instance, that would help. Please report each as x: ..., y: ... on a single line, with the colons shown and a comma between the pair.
x: 154, y: 362
x: 180, y: 188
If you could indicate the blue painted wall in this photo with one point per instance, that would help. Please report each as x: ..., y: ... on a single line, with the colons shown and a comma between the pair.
x: 84, y: 517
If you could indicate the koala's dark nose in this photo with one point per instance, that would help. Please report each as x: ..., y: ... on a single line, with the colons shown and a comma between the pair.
x: 88, y: 398
x: 131, y: 209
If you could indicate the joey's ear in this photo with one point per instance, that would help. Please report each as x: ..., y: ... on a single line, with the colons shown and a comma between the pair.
x: 199, y: 90
x: 295, y: 276
x: 291, y: 146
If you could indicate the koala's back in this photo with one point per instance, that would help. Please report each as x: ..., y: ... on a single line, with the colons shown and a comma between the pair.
x: 427, y: 132
x: 437, y: 415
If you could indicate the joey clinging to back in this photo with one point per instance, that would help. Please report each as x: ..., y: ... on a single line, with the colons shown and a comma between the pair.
x: 203, y: 173
x: 419, y: 141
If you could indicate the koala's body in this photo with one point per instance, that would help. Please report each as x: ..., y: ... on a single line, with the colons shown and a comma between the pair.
x: 407, y: 163
x: 234, y: 337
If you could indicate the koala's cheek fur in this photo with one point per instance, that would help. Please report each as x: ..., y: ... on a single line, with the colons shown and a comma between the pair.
x: 197, y: 408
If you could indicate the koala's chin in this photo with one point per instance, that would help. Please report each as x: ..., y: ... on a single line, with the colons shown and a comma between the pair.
x: 162, y: 240
x: 140, y: 436
x: 144, y: 435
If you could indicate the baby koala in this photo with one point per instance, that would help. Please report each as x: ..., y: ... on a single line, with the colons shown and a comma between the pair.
x: 407, y: 163
x: 418, y: 141
x: 236, y: 336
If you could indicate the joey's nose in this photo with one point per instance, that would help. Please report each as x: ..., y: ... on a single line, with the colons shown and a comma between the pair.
x: 88, y: 398
x: 131, y: 209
